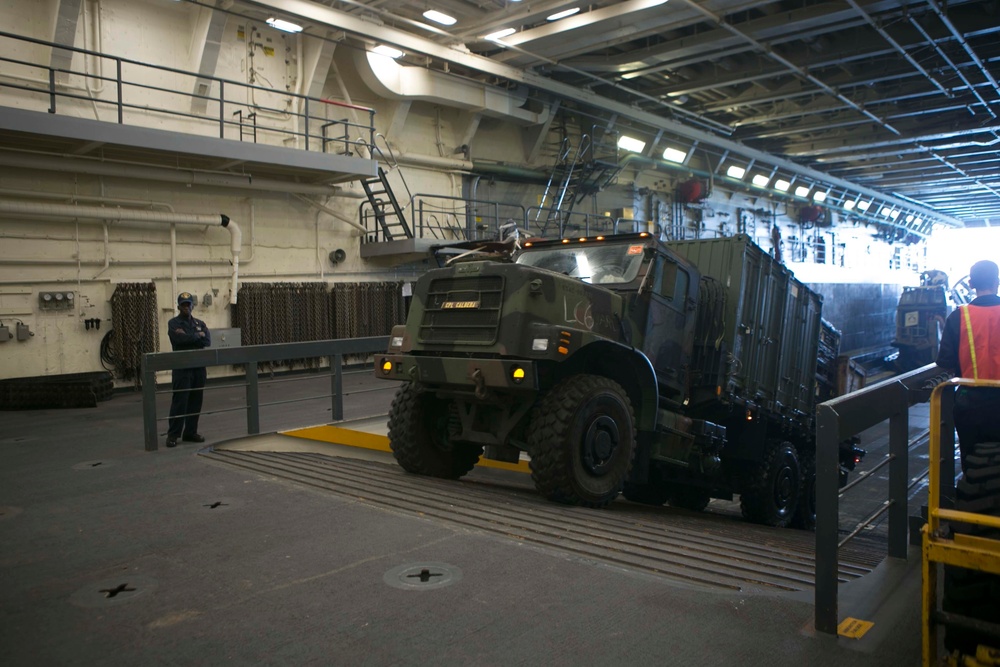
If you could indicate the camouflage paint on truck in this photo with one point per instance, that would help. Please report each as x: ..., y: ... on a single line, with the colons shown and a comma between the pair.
x: 674, y: 372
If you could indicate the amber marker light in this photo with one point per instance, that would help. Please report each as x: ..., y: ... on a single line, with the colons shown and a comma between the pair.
x: 643, y: 234
x: 599, y: 238
x: 565, y: 240
x: 517, y: 374
x: 582, y: 239
x: 386, y: 367
x: 528, y: 244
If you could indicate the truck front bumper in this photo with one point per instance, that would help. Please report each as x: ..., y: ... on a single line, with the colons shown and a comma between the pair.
x: 477, y: 375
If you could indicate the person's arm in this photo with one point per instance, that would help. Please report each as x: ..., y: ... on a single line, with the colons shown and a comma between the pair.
x: 948, y: 352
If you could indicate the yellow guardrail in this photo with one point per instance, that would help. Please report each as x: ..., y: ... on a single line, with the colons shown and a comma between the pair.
x: 974, y: 553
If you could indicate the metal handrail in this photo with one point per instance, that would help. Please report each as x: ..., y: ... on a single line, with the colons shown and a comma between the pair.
x: 841, y: 419
x: 249, y: 356
x: 121, y: 84
x: 976, y: 553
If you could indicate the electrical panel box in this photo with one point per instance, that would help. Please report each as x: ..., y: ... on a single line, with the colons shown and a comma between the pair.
x: 24, y: 331
x: 5, y: 334
x: 226, y: 337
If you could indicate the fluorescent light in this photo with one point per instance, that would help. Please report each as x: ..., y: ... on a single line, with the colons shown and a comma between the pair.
x: 909, y: 218
x: 735, y: 172
x: 893, y: 214
x: 801, y: 191
x: 674, y: 155
x: 849, y: 204
x: 628, y: 143
x: 863, y: 205
x: 782, y: 185
x: 819, y: 196
x: 387, y: 51
x: 499, y: 34
x: 439, y: 17
x: 282, y: 24
x: 563, y: 14
x: 761, y: 180
x: 884, y: 211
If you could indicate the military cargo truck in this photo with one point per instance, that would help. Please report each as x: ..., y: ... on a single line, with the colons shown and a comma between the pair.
x: 673, y: 372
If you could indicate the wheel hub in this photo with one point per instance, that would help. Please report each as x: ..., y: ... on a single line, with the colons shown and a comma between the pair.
x: 599, y: 444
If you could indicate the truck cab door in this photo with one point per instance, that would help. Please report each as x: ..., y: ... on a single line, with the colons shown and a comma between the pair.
x: 669, y: 330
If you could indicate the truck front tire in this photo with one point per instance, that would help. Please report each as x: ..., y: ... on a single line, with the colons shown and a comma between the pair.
x: 419, y: 428
x: 582, y: 441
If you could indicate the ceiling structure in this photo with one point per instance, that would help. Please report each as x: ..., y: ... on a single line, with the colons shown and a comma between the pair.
x: 861, y: 97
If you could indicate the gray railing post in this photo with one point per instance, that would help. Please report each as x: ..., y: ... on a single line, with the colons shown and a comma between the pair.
x: 827, y: 518
x: 222, y: 112
x: 149, y: 407
x: 121, y: 93
x: 899, y: 433
x: 253, y: 399
x: 337, y: 385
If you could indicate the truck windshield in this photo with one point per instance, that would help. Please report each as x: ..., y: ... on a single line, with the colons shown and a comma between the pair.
x: 598, y: 263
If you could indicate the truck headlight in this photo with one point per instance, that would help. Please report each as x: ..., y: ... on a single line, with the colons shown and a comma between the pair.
x: 539, y: 344
x: 395, y: 342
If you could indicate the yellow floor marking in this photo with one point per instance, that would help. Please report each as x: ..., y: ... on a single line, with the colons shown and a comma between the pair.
x: 345, y: 436
x: 854, y: 628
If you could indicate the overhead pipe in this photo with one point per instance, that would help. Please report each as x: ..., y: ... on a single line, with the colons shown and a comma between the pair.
x: 120, y: 214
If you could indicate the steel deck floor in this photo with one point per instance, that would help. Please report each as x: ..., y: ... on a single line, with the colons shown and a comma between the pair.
x: 247, y: 554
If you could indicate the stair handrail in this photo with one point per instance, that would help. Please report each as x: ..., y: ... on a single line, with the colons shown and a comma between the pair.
x: 556, y: 211
x: 563, y: 154
x: 393, y: 164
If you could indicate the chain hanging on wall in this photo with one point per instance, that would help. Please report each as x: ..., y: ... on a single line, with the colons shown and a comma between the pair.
x: 269, y: 313
x: 135, y: 329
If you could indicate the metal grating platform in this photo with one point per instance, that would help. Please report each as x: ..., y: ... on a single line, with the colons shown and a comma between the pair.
x: 704, y: 549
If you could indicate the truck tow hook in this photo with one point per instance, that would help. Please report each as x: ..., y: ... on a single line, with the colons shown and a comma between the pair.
x: 477, y: 378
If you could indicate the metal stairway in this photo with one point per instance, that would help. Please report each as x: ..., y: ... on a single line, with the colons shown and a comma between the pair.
x: 387, y: 212
x: 590, y: 170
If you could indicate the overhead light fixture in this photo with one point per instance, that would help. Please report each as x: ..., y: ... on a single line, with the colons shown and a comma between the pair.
x: 849, y: 205
x: 819, y: 196
x: 563, y: 14
x: 628, y: 143
x: 387, y: 51
x: 884, y: 211
x: 863, y: 205
x: 909, y: 218
x: 439, y: 17
x: 674, y: 155
x: 893, y: 214
x: 499, y: 34
x: 761, y: 180
x: 782, y: 185
x: 283, y: 25
x: 735, y: 172
x: 802, y: 191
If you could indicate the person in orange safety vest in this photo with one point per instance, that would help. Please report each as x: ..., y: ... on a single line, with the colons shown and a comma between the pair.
x: 970, y: 348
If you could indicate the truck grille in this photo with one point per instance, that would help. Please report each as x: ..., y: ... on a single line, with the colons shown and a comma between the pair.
x: 462, y: 311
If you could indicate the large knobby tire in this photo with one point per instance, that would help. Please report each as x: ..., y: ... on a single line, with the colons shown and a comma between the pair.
x: 968, y: 592
x: 582, y: 441
x: 420, y: 425
x: 771, y: 488
x: 805, y: 514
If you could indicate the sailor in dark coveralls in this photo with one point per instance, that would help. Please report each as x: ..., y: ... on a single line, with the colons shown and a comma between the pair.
x: 186, y: 333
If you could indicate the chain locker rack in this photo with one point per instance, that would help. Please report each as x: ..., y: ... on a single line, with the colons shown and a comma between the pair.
x: 135, y: 330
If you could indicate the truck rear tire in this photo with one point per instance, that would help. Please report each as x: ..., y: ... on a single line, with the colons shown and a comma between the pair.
x: 771, y: 489
x: 973, y: 593
x: 419, y: 428
x: 582, y: 441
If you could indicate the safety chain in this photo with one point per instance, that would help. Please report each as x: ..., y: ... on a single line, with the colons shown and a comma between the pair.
x: 136, y: 328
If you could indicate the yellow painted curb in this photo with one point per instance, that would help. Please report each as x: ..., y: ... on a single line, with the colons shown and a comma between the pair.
x: 345, y: 436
